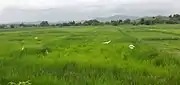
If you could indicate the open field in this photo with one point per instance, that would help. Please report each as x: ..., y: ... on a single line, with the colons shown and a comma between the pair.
x: 77, y: 55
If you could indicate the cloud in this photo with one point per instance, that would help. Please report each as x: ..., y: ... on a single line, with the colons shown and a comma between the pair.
x: 84, y: 9
x: 92, y: 4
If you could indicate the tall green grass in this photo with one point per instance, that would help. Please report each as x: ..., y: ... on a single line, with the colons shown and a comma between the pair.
x: 77, y: 56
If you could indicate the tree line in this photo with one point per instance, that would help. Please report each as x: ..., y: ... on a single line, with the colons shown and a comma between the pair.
x: 172, y: 19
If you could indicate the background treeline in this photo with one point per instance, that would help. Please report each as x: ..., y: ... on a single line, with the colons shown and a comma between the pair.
x: 172, y: 19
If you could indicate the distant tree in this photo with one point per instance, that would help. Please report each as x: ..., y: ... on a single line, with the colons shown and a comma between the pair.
x: 174, y: 19
x: 102, y: 23
x: 153, y: 22
x: 157, y: 20
x: 142, y: 21
x: 12, y: 26
x: 59, y: 25
x: 22, y: 25
x: 44, y: 23
x: 78, y: 24
x: 149, y: 22
x: 53, y: 25
x: 171, y: 21
x: 2, y: 26
x: 114, y: 23
x: 120, y: 21
x: 92, y: 22
x: 170, y: 16
x: 34, y: 25
x: 72, y: 23
x: 127, y: 21
x: 29, y: 25
x: 107, y: 23
x: 176, y: 16
x: 135, y: 23
x: 95, y: 22
x: 87, y: 22
x: 65, y: 24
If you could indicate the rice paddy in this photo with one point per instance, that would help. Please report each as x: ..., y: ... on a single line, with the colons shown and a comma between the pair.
x: 91, y: 55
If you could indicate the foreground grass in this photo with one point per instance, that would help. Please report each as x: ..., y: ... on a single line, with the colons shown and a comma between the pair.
x: 78, y: 57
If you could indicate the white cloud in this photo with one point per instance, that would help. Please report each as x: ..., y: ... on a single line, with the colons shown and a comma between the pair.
x: 92, y: 8
x: 61, y: 3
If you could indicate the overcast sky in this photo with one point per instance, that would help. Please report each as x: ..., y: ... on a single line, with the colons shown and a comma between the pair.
x: 138, y: 7
x: 94, y: 8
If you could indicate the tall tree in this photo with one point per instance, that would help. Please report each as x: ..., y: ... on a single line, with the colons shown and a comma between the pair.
x: 22, y: 25
x: 12, y: 26
x: 114, y: 23
x: 72, y: 23
x: 44, y: 23
x: 120, y: 21
x: 127, y: 21
x: 92, y: 22
x: 142, y: 21
x: 2, y: 26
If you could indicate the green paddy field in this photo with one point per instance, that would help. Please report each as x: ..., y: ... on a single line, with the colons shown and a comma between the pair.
x: 78, y: 55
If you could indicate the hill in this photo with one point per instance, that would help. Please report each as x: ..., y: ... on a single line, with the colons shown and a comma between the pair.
x: 158, y: 17
x: 116, y: 17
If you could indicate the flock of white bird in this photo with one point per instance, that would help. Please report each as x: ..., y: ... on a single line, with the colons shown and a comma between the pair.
x: 23, y: 42
x: 36, y: 38
x: 130, y: 46
x: 105, y: 43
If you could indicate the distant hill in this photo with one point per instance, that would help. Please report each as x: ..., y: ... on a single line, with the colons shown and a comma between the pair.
x: 116, y: 17
x: 159, y: 17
